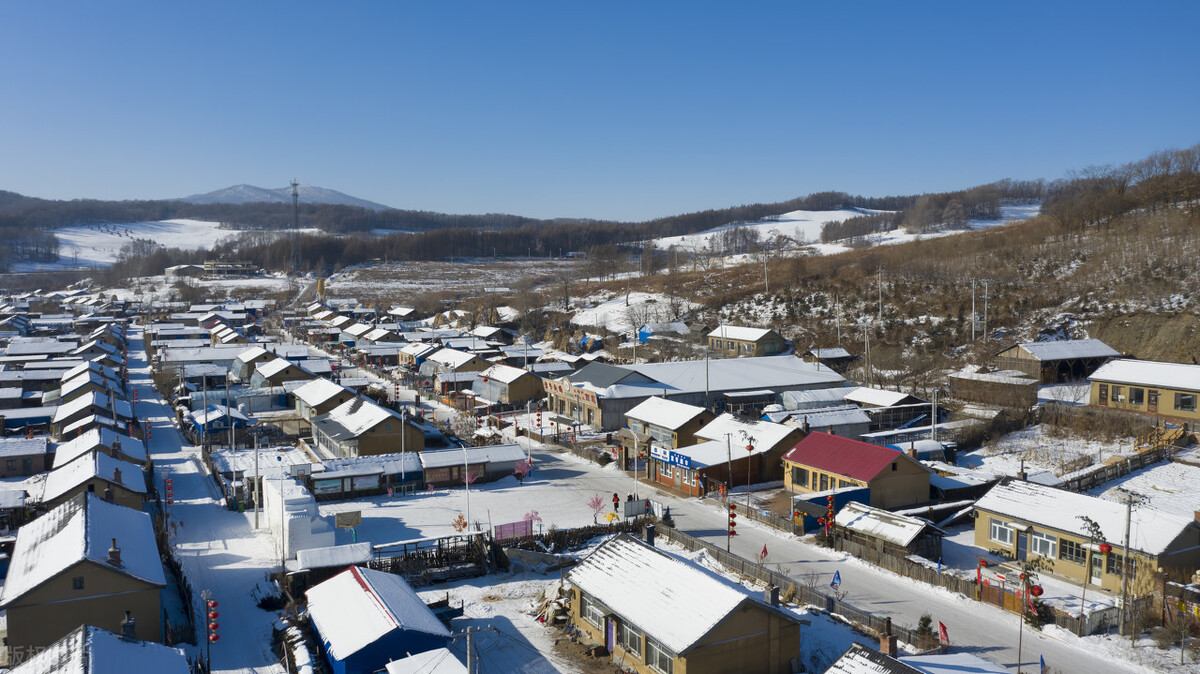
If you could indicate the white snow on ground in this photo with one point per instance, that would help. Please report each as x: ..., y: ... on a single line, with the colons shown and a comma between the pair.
x: 99, y: 245
x: 612, y: 312
x: 1168, y: 486
x: 1046, y: 455
x: 800, y: 226
x: 1008, y: 214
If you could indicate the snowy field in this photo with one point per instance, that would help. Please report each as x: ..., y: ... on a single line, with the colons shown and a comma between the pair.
x: 1008, y: 215
x: 395, y: 279
x: 800, y: 226
x: 1168, y: 486
x: 92, y: 246
x: 1045, y: 456
x: 612, y: 312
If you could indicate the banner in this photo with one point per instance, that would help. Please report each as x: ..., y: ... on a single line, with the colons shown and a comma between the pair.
x: 943, y: 634
x: 837, y: 580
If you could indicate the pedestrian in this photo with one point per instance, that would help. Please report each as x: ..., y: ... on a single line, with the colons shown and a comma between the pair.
x: 616, y: 502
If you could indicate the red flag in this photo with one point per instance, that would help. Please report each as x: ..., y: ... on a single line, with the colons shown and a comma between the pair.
x: 763, y: 554
x: 943, y: 635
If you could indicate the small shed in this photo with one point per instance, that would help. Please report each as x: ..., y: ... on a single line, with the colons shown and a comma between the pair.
x: 889, y: 533
x: 366, y: 617
x: 1056, y: 361
x: 447, y: 467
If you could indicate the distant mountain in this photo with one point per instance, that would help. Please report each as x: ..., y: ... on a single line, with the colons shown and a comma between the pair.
x: 309, y: 194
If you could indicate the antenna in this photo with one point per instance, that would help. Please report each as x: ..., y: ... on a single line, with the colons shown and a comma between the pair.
x: 295, y: 226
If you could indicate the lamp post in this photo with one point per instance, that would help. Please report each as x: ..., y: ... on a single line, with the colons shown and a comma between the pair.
x: 403, y: 453
x: 282, y: 518
x: 750, y: 440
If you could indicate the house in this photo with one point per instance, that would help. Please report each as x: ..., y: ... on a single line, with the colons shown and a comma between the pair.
x: 437, y: 661
x: 319, y: 396
x: 729, y: 450
x: 447, y: 467
x: 1058, y: 361
x: 413, y: 354
x: 216, y: 419
x: 114, y: 480
x: 1147, y: 386
x: 821, y: 462
x: 669, y: 423
x: 359, y: 427
x: 86, y: 562
x: 600, y: 395
x: 21, y: 457
x: 275, y: 372
x: 1024, y: 519
x: 450, y: 360
x: 95, y: 650
x: 835, y: 358
x: 735, y: 341
x: 847, y: 421
x: 1004, y: 388
x: 508, y: 385
x: 84, y: 383
x: 889, y: 533
x: 656, y: 613
x: 673, y: 330
x: 87, y: 405
x: 103, y: 440
x: 365, y: 618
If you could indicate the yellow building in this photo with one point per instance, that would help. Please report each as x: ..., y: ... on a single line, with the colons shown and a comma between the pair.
x: 85, y: 562
x: 670, y: 424
x: 821, y: 462
x: 96, y: 473
x: 736, y: 341
x: 656, y: 614
x: 1022, y: 520
x: 1147, y: 386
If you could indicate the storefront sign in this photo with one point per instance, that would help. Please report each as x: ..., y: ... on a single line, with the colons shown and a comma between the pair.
x: 681, y: 460
x: 565, y: 390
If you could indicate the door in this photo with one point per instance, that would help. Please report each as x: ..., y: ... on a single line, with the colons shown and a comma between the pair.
x: 610, y: 634
x: 27, y: 466
x: 678, y: 476
x: 1097, y: 568
x: 1022, y: 544
x: 1152, y: 400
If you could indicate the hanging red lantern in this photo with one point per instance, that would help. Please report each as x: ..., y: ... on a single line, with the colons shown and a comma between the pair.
x: 983, y: 563
x: 1105, y: 548
x: 1036, y: 590
x: 213, y: 615
x: 214, y: 638
x: 214, y: 626
x: 212, y: 603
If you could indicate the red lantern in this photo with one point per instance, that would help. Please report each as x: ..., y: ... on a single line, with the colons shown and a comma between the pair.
x: 214, y: 638
x: 1105, y: 548
x: 214, y: 626
x: 213, y: 615
x: 983, y: 563
x: 212, y: 603
x: 1036, y: 590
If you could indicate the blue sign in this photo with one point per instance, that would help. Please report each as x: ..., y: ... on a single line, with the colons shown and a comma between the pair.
x: 837, y: 580
x: 666, y: 455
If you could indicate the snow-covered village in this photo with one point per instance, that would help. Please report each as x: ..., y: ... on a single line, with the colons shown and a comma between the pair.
x: 717, y: 338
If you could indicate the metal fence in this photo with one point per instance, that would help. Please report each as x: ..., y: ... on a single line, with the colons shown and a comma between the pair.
x: 512, y: 530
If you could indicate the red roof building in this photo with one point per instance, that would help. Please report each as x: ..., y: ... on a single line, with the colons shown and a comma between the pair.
x: 823, y: 462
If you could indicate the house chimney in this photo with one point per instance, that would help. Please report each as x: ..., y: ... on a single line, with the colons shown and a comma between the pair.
x: 129, y: 626
x: 771, y: 595
x: 912, y: 452
x: 114, y: 554
x: 117, y: 475
x: 108, y: 495
x: 650, y: 535
x: 806, y: 428
x: 116, y: 446
x: 887, y: 642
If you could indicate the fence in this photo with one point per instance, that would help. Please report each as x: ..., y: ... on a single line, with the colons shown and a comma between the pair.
x: 1097, y: 475
x: 513, y: 530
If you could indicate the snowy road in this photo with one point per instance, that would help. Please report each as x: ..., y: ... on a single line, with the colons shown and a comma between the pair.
x: 217, y: 547
x: 983, y: 630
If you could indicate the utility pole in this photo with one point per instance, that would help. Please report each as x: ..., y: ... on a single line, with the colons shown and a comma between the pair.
x: 985, y: 308
x: 228, y: 411
x: 470, y: 648
x: 1125, y: 565
x: 204, y: 401
x: 296, y: 226
x: 881, y: 295
x: 257, y: 483
x: 837, y: 302
x: 729, y: 477
x: 972, y: 310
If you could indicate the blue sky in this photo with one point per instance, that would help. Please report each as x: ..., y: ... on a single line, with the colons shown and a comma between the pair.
x: 607, y: 110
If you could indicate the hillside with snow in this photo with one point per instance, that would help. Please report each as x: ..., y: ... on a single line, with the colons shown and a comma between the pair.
x: 94, y: 246
x: 800, y: 226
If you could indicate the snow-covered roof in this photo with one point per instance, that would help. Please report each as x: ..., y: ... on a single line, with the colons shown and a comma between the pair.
x: 334, y: 555
x: 354, y: 417
x: 377, y: 334
x: 834, y: 352
x: 316, y: 391
x: 503, y: 373
x: 76, y: 447
x: 740, y: 333
x: 87, y: 422
x: 996, y: 377
x: 765, y: 433
x: 358, y: 329
x: 472, y: 455
x: 721, y: 375
x: 952, y: 663
x: 1151, y: 531
x: 89, y: 366
x: 881, y: 524
x: 1070, y: 348
x: 93, y: 650
x: 82, y: 529
x: 272, y: 367
x: 214, y: 412
x: 437, y: 661
x: 841, y: 415
x: 673, y: 601
x: 83, y: 402
x: 864, y: 395
x: 66, y: 477
x: 357, y: 607
x: 417, y: 349
x: 13, y: 447
x: 1150, y: 373
x: 664, y: 413
x: 450, y: 357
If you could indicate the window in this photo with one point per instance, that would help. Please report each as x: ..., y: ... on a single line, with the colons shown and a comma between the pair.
x: 590, y: 611
x: 1185, y: 402
x: 77, y: 583
x: 665, y: 469
x: 1118, y: 394
x: 1103, y: 394
x: 893, y: 466
x: 685, y: 476
x: 799, y: 476
x: 1001, y: 532
x: 824, y: 482
x: 11, y: 464
x: 1115, y: 563
x: 1072, y: 552
x: 1137, y: 396
x: 1045, y: 545
x: 629, y: 638
x: 658, y: 657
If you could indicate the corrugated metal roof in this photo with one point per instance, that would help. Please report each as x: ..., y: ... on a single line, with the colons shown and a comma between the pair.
x: 842, y: 456
x: 1070, y: 348
x: 1150, y: 373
